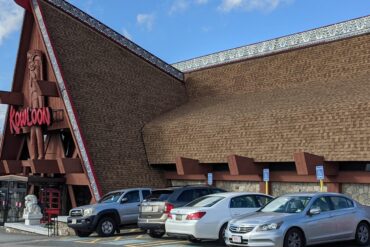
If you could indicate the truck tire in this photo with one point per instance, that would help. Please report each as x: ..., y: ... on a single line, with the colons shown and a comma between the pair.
x: 106, y: 227
x: 82, y: 234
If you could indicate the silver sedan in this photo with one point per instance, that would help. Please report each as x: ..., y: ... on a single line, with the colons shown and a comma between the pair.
x: 297, y: 220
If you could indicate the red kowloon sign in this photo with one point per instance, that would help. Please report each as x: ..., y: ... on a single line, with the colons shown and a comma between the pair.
x: 29, y: 117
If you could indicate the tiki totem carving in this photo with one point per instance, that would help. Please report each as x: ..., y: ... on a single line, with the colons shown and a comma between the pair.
x: 35, y: 67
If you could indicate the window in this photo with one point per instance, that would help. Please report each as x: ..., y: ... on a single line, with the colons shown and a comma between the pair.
x: 321, y: 203
x: 206, y: 201
x: 215, y: 190
x: 132, y: 196
x: 111, y: 197
x: 146, y: 193
x: 186, y: 196
x: 340, y: 202
x: 200, y: 192
x: 243, y: 202
x: 263, y: 200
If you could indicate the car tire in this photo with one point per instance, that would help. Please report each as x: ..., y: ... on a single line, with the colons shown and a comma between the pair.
x: 362, y: 234
x: 221, y: 235
x: 106, y: 227
x: 82, y: 234
x: 156, y: 234
x: 294, y: 238
x: 195, y: 240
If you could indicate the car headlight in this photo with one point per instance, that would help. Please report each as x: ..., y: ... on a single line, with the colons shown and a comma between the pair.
x: 88, y: 211
x: 269, y: 227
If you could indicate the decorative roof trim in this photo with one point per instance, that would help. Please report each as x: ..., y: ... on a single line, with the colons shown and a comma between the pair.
x: 66, y: 99
x: 116, y: 37
x: 315, y: 36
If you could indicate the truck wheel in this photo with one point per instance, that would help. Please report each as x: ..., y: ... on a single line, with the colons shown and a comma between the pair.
x: 82, y: 234
x: 156, y: 234
x: 106, y: 227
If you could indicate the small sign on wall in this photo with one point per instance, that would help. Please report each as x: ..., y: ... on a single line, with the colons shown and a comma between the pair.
x: 210, y: 178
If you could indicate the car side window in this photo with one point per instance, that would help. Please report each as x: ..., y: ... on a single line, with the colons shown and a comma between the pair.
x: 217, y: 191
x: 322, y: 204
x: 186, y: 196
x: 350, y: 203
x: 243, y: 202
x: 339, y: 202
x: 146, y: 193
x: 132, y: 196
x: 263, y: 200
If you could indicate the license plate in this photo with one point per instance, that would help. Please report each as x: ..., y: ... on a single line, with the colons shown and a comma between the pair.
x: 147, y: 209
x: 179, y: 217
x: 74, y: 221
x: 236, y: 239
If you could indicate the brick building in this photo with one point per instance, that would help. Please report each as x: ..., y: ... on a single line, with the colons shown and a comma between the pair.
x: 121, y: 117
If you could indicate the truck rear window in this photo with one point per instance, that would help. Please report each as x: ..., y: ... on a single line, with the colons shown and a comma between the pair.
x: 159, y: 195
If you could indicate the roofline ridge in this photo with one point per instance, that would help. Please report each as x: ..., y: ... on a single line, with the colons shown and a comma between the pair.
x: 116, y: 37
x: 324, y: 34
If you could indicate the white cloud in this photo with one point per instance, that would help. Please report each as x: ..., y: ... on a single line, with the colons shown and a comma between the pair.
x: 146, y: 20
x: 126, y: 34
x: 11, y: 16
x: 250, y: 5
x: 182, y: 5
x: 178, y: 6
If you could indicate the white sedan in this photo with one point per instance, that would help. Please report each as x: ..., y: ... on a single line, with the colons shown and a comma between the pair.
x: 207, y: 217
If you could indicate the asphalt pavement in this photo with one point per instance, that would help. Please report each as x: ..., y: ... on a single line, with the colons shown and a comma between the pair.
x: 127, y: 238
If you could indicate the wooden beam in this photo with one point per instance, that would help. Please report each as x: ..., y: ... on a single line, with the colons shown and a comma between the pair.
x: 72, y: 196
x: 44, y: 166
x: 69, y: 165
x: 11, y: 98
x: 13, y: 166
x: 47, y: 88
x: 239, y: 165
x: 186, y: 166
x: 306, y: 164
x: 77, y: 179
x: 175, y: 176
x: 2, y: 168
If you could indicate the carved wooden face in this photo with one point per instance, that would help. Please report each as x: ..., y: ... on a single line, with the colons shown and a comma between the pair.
x: 32, y: 57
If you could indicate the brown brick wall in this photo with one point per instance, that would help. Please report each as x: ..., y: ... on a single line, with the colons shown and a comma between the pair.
x: 315, y: 99
x: 115, y: 93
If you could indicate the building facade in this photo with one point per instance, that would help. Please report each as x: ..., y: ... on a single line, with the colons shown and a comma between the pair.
x: 90, y: 111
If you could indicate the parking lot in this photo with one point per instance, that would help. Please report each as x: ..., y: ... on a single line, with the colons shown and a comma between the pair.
x: 127, y: 238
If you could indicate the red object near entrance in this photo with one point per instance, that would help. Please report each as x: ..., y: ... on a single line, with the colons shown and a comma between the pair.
x: 50, y: 200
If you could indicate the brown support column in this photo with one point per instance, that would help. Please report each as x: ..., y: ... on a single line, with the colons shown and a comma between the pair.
x: 239, y: 165
x: 13, y: 166
x: 306, y: 164
x: 263, y: 188
x: 31, y: 189
x: 186, y: 166
x: 72, y: 196
x: 2, y: 168
x: 334, y: 187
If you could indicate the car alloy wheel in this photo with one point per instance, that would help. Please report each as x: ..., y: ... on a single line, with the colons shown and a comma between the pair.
x: 294, y: 238
x: 107, y: 227
x: 362, y: 234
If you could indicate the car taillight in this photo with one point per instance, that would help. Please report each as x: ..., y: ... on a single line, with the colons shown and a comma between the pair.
x: 168, y: 208
x: 195, y: 216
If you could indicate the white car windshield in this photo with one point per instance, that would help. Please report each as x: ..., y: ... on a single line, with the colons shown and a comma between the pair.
x: 206, y: 201
x: 111, y: 197
x: 287, y: 204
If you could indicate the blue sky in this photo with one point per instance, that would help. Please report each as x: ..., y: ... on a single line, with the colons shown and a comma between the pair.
x: 177, y: 30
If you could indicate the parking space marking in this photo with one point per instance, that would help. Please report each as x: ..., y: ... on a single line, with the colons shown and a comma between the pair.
x: 117, y: 238
x: 157, y: 243
x: 141, y: 236
x: 89, y: 242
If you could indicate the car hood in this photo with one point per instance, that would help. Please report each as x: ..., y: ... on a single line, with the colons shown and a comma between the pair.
x: 261, y: 218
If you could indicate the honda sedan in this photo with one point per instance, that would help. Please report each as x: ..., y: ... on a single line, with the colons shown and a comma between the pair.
x: 207, y: 217
x: 297, y: 220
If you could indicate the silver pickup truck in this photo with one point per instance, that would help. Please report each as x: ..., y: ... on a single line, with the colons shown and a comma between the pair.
x: 116, y: 208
